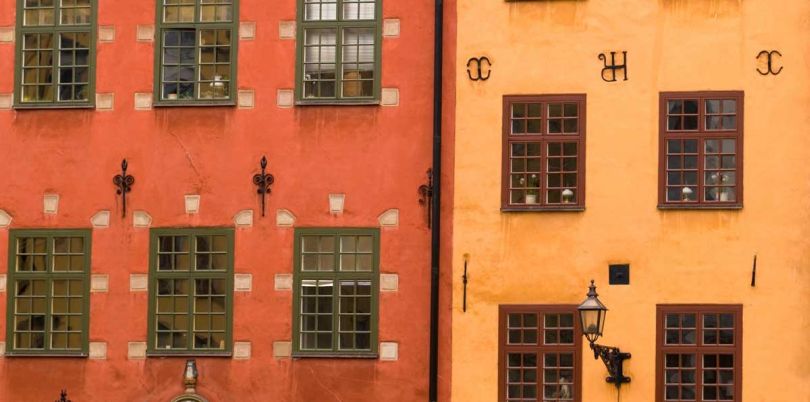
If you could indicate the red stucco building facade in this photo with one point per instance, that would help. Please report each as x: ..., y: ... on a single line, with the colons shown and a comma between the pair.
x: 374, y: 155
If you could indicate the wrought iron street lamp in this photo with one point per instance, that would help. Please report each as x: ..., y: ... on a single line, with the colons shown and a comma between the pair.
x: 592, y: 316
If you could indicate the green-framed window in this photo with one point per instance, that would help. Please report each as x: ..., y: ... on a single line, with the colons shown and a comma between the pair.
x: 190, y: 291
x: 48, y: 292
x: 56, y: 53
x: 338, y: 55
x: 336, y: 295
x: 196, y: 52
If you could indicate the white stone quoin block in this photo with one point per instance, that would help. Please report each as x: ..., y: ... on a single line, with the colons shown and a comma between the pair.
x: 284, y: 218
x: 136, y: 350
x: 145, y: 33
x: 105, y: 102
x: 6, y: 34
x: 101, y: 219
x: 143, y: 101
x: 282, y: 349
x: 389, y: 282
x: 242, y: 282
x: 336, y: 203
x: 286, y: 30
x: 246, y: 98
x: 243, y: 219
x: 389, y: 351
x: 241, y: 350
x: 141, y: 219
x: 247, y: 30
x: 283, y: 281
x: 391, y: 27
x: 106, y: 33
x: 390, y: 97
x: 192, y: 204
x: 285, y: 98
x: 50, y: 204
x: 138, y: 282
x: 6, y: 101
x: 389, y: 218
x: 3, y: 281
x: 99, y: 283
x: 5, y: 219
x: 98, y: 350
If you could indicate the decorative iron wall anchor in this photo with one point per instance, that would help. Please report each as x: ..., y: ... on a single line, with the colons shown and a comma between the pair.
x: 464, y: 280
x: 63, y: 396
x: 482, y: 70
x: 754, y: 273
x: 769, y: 55
x: 613, y: 67
x: 426, y: 196
x: 124, y: 183
x: 263, y: 181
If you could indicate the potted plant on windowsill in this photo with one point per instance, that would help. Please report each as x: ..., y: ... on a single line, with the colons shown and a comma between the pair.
x: 532, y: 196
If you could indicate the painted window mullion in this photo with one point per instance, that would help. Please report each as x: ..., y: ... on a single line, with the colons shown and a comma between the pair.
x: 336, y: 310
x: 48, y: 338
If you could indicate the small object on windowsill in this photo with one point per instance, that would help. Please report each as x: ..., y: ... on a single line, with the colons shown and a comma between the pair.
x: 531, y: 198
x: 686, y: 193
x: 567, y: 196
x: 171, y: 96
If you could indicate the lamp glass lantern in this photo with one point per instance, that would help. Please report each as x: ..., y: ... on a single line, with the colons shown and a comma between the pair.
x: 592, y: 315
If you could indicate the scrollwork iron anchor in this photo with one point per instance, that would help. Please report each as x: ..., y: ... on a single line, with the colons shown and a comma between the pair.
x: 426, y: 196
x: 124, y: 183
x: 263, y: 181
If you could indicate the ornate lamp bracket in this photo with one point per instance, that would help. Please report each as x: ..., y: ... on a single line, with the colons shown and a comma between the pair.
x: 124, y: 183
x: 614, y: 361
x: 263, y: 181
x: 426, y: 196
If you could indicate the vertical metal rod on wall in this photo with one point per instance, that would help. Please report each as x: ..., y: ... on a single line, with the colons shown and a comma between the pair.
x: 435, y: 233
x: 754, y: 273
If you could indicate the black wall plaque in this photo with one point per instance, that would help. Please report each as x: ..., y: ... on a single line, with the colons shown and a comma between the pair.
x: 619, y: 274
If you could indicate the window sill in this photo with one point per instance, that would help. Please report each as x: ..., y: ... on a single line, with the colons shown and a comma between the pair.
x: 337, y: 102
x: 81, y: 355
x: 543, y: 209
x: 336, y: 355
x: 185, y: 353
x: 208, y: 103
x: 50, y: 106
x: 728, y: 207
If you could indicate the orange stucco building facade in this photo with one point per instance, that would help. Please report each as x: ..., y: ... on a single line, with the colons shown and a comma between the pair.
x: 335, y: 167
x: 562, y: 172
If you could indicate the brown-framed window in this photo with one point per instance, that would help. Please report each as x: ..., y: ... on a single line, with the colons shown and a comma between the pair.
x: 539, y: 354
x: 699, y: 354
x: 543, y: 152
x: 701, y: 154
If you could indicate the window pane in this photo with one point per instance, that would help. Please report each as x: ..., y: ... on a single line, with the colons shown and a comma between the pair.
x: 37, y: 67
x: 178, y: 11
x: 47, y: 311
x: 320, y: 47
x: 75, y: 12
x: 323, y: 10
x: 316, y: 314
x: 358, y: 62
x: 38, y: 12
x: 336, y: 304
x: 215, y: 10
x: 358, y: 9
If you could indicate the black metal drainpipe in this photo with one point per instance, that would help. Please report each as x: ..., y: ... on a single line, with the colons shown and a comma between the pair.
x: 437, y: 180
